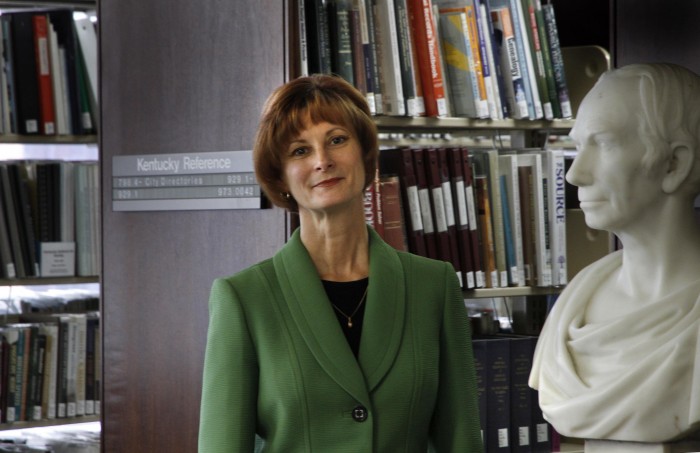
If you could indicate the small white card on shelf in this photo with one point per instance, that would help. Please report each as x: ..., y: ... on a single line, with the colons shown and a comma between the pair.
x: 57, y: 259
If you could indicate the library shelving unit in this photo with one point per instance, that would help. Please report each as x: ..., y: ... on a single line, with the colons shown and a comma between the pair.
x: 46, y: 147
x: 192, y: 76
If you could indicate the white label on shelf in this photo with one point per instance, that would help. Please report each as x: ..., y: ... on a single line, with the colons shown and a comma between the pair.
x: 57, y: 259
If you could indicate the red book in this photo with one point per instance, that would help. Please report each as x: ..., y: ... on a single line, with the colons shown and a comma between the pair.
x: 428, y: 53
x: 432, y: 173
x: 392, y: 213
x: 425, y: 204
x: 43, y: 67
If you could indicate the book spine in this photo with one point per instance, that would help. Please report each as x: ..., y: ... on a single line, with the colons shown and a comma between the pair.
x: 462, y: 217
x: 557, y: 216
x: 427, y: 49
x: 392, y: 213
x: 510, y: 62
x: 424, y: 203
x: 388, y: 55
x: 547, y: 60
x: 340, y: 39
x: 487, y: 62
x: 557, y: 61
x: 534, y: 104
x: 497, y: 217
x: 415, y: 105
x: 437, y: 204
x: 43, y: 68
x: 366, y: 54
x: 25, y: 74
x: 537, y: 57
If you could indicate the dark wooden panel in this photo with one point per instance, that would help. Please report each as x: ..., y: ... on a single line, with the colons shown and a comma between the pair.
x: 176, y: 77
x: 658, y: 31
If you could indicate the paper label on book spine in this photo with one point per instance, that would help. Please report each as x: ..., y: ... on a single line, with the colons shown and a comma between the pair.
x: 523, y: 435
x: 440, y: 217
x: 426, y: 215
x: 414, y: 208
x: 447, y: 200
x: 542, y: 433
x: 470, y: 280
x: 503, y: 438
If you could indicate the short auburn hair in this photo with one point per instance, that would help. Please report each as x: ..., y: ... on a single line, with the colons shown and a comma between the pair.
x: 316, y: 98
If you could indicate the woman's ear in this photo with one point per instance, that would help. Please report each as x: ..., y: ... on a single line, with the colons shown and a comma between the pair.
x: 679, y: 166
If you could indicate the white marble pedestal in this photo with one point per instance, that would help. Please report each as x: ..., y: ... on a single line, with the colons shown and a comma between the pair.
x: 613, y: 446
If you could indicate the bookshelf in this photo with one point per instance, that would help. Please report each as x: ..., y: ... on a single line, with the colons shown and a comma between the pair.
x: 29, y: 150
x: 187, y: 94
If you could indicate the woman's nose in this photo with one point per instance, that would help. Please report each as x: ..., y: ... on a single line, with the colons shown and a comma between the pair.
x: 324, y: 160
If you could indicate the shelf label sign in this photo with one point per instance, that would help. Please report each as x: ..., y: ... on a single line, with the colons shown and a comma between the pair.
x: 185, y: 182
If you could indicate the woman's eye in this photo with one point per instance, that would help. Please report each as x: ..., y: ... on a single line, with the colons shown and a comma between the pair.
x: 338, y: 139
x: 298, y: 151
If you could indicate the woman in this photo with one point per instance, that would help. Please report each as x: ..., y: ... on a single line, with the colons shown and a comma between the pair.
x: 338, y: 343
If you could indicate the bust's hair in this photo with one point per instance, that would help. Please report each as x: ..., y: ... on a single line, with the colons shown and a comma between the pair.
x: 316, y: 98
x: 670, y: 113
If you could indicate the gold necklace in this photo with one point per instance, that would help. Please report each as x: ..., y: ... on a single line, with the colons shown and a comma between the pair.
x: 359, y: 304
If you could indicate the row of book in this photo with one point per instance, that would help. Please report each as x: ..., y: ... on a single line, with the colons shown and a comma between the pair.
x: 50, y: 367
x: 45, y: 203
x: 48, y: 84
x: 511, y: 418
x: 462, y: 58
x: 498, y: 216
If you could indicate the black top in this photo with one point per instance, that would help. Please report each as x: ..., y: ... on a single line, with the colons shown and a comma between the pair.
x: 346, y: 296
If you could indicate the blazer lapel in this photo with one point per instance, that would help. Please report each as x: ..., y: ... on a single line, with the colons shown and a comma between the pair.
x: 313, y: 316
x: 385, y: 312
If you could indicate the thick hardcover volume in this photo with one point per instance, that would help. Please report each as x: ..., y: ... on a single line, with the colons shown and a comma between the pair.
x: 87, y: 39
x: 510, y: 62
x: 461, y: 73
x: 366, y: 53
x: 392, y: 212
x: 428, y: 52
x: 25, y: 75
x: 373, y: 55
x: 450, y: 215
x: 554, y: 173
x: 464, y: 247
x: 388, y: 54
x: 498, y: 394
x: 340, y: 39
x: 487, y: 63
x: 521, y: 403
x: 488, y: 252
x: 534, y: 104
x: 44, y: 76
x: 534, y: 228
x: 399, y: 161
x: 429, y: 229
x: 508, y: 168
x: 13, y: 227
x: 9, y: 269
x: 62, y: 22
x: 19, y: 184
x: 472, y: 212
x: 318, y: 36
x: 557, y: 60
x: 539, y: 75
x: 550, y: 84
x: 480, y: 358
x: 410, y: 76
x: 437, y: 203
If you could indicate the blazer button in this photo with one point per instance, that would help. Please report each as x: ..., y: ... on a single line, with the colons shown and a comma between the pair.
x: 359, y: 414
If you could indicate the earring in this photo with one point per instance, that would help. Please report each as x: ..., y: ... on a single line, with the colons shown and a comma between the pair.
x: 286, y: 195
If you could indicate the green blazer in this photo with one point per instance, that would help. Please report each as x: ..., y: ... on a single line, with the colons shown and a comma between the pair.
x: 277, y: 362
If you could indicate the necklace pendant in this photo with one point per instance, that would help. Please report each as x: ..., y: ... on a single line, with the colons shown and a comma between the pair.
x: 349, y: 322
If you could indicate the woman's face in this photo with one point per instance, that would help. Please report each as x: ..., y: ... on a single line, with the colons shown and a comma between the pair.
x: 323, y: 168
x: 614, y: 189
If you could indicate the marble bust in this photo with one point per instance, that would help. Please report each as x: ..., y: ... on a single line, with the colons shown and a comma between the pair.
x: 619, y: 356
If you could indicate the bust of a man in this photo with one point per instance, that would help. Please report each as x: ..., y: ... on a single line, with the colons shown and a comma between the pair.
x: 619, y: 355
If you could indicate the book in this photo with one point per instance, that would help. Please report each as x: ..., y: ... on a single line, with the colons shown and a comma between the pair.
x: 508, y: 168
x: 537, y: 259
x: 498, y: 394
x: 386, y: 36
x: 510, y: 62
x: 11, y: 215
x: 427, y: 50
x: 302, y: 42
x: 399, y: 162
x: 557, y: 61
x: 464, y: 244
x: 485, y: 38
x: 58, y: 81
x: 372, y: 56
x: 450, y: 214
x: 424, y: 201
x: 554, y: 173
x: 462, y: 77
x: 87, y: 46
x: 472, y: 212
x: 366, y: 54
x: 487, y: 249
x: 47, y: 114
x: 536, y: 50
x: 9, y: 95
x: 550, y: 84
x: 410, y: 76
x: 480, y: 360
x: 522, y: 404
x: 534, y: 103
x: 437, y: 204
x: 392, y: 212
x: 339, y: 33
x: 317, y: 36
x: 25, y: 73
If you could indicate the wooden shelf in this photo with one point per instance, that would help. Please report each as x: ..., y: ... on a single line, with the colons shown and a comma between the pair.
x: 511, y: 291
x: 48, y: 139
x: 443, y: 125
x: 47, y: 423
x: 38, y: 281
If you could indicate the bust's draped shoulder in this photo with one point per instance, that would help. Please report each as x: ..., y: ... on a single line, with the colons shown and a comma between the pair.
x: 634, y: 377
